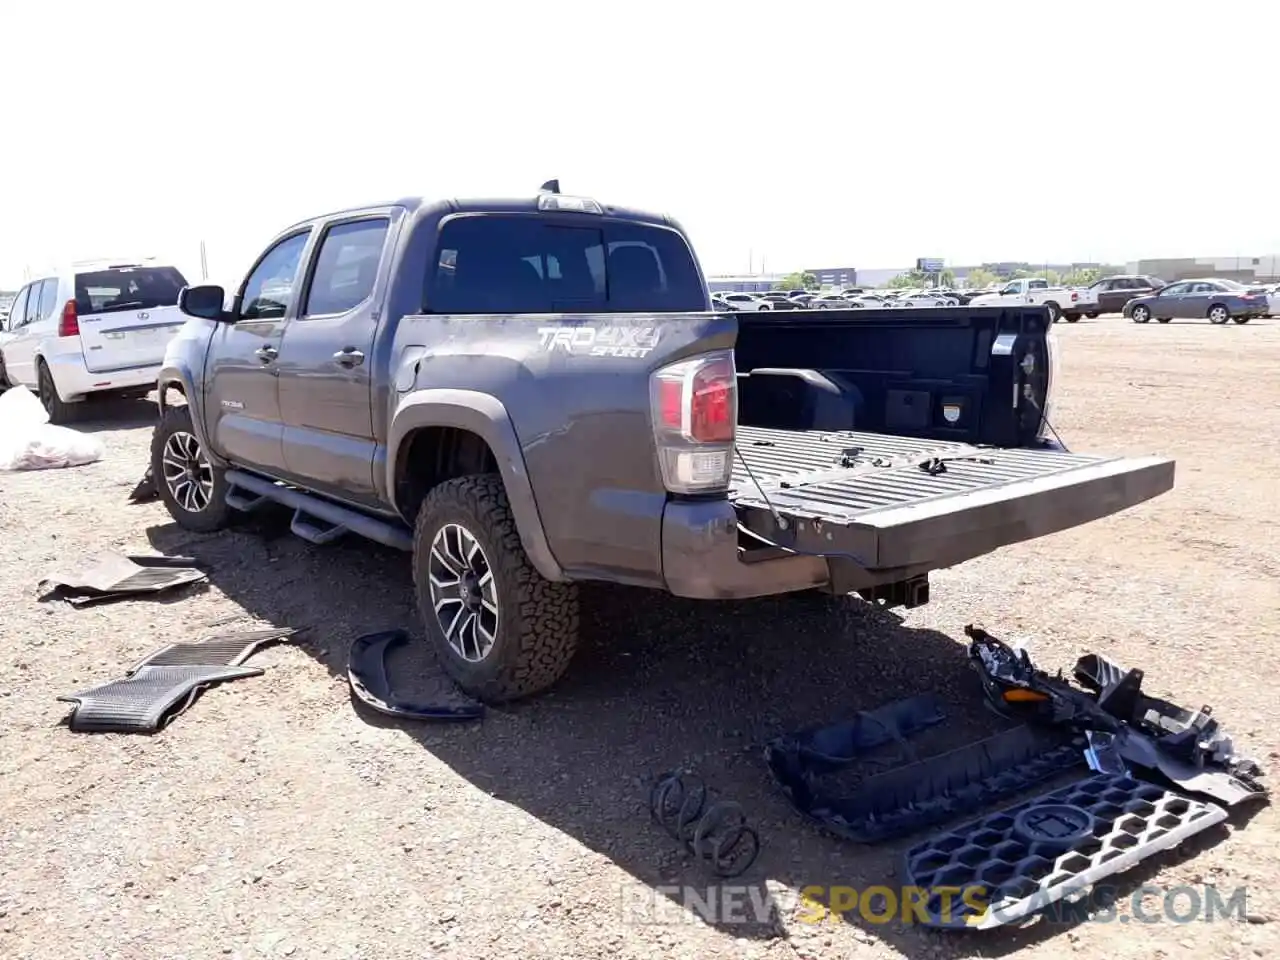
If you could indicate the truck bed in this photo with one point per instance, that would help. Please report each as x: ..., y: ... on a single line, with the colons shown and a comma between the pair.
x: 867, y: 495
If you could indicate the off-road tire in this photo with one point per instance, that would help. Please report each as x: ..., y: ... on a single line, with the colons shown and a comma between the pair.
x: 218, y: 514
x: 58, y: 411
x: 538, y: 620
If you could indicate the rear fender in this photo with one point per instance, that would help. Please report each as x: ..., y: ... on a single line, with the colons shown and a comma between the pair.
x: 485, y: 416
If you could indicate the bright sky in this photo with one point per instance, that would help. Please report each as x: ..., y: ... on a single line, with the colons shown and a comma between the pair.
x: 805, y: 134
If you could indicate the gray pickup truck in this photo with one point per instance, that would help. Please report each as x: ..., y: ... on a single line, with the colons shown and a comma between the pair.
x: 530, y: 393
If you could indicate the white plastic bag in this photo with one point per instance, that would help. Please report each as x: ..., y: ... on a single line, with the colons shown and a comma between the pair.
x: 28, y: 441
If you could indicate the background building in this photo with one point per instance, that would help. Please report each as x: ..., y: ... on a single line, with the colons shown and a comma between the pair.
x: 838, y: 277
x: 1244, y: 269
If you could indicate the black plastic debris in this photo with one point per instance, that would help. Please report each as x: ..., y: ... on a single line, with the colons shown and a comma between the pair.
x: 718, y: 835
x: 1185, y: 748
x: 915, y: 796
x: 167, y: 682
x: 1017, y: 862
x: 371, y: 684
x: 146, y: 489
x: 112, y: 576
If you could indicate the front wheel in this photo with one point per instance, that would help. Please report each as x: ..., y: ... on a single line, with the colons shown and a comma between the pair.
x: 194, y: 490
x: 500, y: 629
x: 1140, y: 315
x: 1219, y: 314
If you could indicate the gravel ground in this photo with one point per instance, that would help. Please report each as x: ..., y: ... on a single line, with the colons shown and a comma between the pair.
x: 274, y: 819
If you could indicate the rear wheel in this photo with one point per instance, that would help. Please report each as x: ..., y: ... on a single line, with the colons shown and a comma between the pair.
x: 1240, y: 319
x: 501, y: 630
x: 1140, y: 315
x: 59, y: 412
x: 1055, y: 312
x: 1092, y: 316
x: 1163, y: 319
x: 1219, y: 314
x: 194, y: 490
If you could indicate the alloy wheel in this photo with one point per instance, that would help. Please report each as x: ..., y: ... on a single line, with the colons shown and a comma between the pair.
x: 188, y: 474
x: 464, y: 594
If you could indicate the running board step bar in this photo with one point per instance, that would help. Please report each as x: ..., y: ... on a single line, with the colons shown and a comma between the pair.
x: 314, y: 519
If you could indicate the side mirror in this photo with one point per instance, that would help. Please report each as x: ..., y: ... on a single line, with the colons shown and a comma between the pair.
x: 204, y: 301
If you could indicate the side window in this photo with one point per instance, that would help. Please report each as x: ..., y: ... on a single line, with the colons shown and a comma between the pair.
x: 18, y: 308
x: 346, y: 267
x: 1011, y: 288
x: 33, y: 302
x: 48, y: 299
x: 269, y: 290
x: 1174, y: 290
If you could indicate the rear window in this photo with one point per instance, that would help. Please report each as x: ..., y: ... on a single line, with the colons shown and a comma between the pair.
x: 531, y: 264
x: 128, y: 288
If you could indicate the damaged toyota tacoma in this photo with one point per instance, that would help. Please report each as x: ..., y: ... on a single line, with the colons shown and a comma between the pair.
x: 529, y: 393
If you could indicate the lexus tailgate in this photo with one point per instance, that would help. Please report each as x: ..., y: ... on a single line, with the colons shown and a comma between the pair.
x: 901, y: 502
x: 127, y: 315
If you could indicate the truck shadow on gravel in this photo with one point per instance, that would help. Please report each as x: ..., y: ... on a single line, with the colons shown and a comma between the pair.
x: 658, y: 684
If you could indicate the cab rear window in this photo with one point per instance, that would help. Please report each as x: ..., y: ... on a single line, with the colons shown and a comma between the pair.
x: 128, y: 288
x: 493, y: 263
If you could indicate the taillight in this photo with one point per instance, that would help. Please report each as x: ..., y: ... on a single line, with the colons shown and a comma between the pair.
x: 694, y: 405
x: 1074, y: 296
x: 69, y: 325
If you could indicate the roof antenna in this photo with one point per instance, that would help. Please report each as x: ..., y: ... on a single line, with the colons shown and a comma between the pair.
x: 551, y: 186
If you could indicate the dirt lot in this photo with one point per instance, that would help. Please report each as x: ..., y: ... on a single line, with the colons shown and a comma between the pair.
x: 273, y: 819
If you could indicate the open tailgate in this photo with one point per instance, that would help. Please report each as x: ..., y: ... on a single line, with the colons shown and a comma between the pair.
x: 870, y: 495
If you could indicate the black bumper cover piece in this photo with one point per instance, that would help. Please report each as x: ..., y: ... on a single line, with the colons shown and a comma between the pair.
x: 146, y: 701
x: 1020, y: 861
x: 370, y: 684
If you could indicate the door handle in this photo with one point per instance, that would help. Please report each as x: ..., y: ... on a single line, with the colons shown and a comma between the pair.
x: 266, y: 354
x: 349, y: 357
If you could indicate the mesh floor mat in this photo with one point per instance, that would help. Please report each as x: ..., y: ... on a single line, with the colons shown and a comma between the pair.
x: 1009, y: 865
x: 108, y: 576
x: 146, y: 701
x: 224, y: 650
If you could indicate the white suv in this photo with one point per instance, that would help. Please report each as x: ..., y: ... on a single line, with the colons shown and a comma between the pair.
x: 100, y: 328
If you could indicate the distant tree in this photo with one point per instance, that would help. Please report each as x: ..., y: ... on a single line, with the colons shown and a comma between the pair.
x: 1082, y: 277
x: 978, y: 278
x: 800, y: 280
x: 912, y: 278
x: 947, y: 278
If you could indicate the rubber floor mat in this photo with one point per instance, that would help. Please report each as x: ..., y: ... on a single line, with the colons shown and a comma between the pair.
x: 371, y: 684
x: 223, y: 650
x: 109, y: 576
x: 148, y: 700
